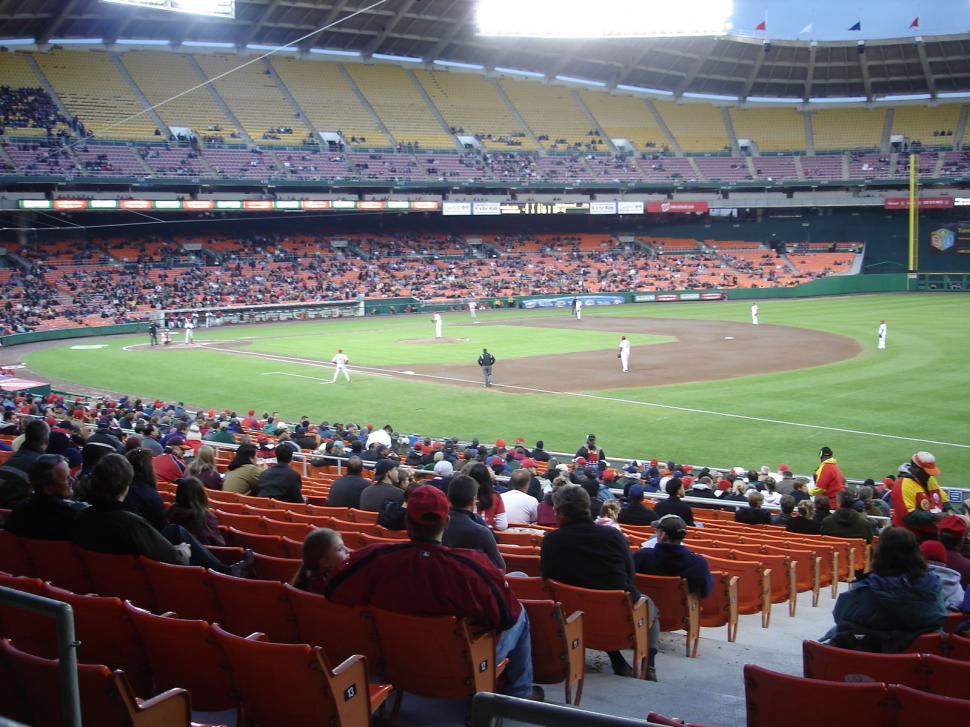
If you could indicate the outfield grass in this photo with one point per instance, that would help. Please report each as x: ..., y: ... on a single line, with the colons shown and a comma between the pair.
x: 917, y: 389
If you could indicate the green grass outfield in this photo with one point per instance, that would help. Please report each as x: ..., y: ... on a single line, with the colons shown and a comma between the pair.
x: 917, y: 389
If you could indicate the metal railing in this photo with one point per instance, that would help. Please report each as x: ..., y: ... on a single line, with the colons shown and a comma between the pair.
x: 489, y: 709
x: 63, y: 616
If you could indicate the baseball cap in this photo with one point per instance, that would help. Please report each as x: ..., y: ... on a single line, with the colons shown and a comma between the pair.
x: 926, y: 462
x: 636, y: 492
x: 580, y: 460
x: 953, y: 524
x: 825, y: 452
x: 590, y: 437
x: 427, y: 505
x: 671, y: 524
x: 499, y: 442
x: 528, y: 462
x: 609, y: 474
x: 933, y: 550
x: 176, y: 441
x: 383, y: 467
x: 443, y: 468
x: 133, y: 442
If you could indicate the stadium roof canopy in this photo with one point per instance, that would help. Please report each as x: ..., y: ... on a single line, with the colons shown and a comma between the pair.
x: 444, y: 30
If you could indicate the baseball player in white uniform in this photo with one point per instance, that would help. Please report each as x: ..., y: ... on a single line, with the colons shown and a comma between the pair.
x: 189, y: 328
x: 625, y: 354
x: 881, y: 335
x: 579, y: 309
x: 436, y: 319
x: 340, y: 361
x: 472, y: 308
x: 754, y: 314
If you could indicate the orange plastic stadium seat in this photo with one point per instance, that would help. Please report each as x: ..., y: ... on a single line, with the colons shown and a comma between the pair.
x: 528, y: 564
x: 182, y: 589
x: 255, y: 606
x: 274, y: 513
x: 779, y: 699
x: 942, y: 644
x: 341, y: 631
x: 720, y: 607
x: 296, y: 531
x: 58, y: 561
x: 558, y: 653
x: 518, y: 538
x: 266, y: 544
x: 13, y: 556
x: 107, y: 636
x: 31, y: 631
x: 293, y: 684
x: 610, y: 621
x: 915, y: 707
x: 269, y: 568
x: 434, y: 656
x: 784, y: 580
x: 106, y: 697
x: 118, y: 575
x: 679, y: 608
x: 754, y: 585
x: 183, y: 653
x: 361, y: 516
x: 315, y: 521
x: 532, y: 588
x: 655, y: 718
x: 953, y: 621
x: 243, y: 523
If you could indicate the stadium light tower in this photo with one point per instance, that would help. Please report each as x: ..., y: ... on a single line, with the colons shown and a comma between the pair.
x: 607, y: 19
x: 215, y: 8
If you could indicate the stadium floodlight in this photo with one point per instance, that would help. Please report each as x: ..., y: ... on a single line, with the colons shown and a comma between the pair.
x: 142, y: 41
x: 395, y: 58
x: 458, y: 64
x: 17, y: 41
x: 605, y: 19
x: 581, y: 81
x: 214, y: 8
x: 641, y: 89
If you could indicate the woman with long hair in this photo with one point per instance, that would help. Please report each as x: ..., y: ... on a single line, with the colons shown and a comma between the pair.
x: 203, y: 467
x: 895, y: 602
x: 143, y: 498
x: 323, y: 552
x: 191, y: 511
x: 803, y: 519
x: 242, y: 474
x: 490, y: 504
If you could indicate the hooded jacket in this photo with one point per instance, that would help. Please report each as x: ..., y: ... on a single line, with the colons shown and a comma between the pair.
x: 953, y: 592
x: 847, y: 523
x: 893, y: 603
x: 829, y: 481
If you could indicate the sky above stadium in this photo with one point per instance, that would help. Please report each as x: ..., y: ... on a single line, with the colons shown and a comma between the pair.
x: 832, y: 19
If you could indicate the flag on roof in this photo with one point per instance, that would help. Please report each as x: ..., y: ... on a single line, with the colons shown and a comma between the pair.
x: 807, y: 29
x: 915, y: 23
x: 857, y: 26
x: 763, y: 25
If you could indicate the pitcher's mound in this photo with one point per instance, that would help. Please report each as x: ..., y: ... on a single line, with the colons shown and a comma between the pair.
x: 443, y: 339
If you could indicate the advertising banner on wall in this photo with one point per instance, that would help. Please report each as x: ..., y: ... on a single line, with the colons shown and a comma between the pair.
x: 902, y: 203
x: 677, y: 206
x: 674, y: 297
x: 566, y: 301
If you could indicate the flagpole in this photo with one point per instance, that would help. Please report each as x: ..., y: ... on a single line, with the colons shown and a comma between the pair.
x: 913, y: 211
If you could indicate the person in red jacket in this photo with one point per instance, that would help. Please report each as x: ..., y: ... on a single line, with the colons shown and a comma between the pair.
x: 423, y: 577
x: 918, y: 500
x: 829, y: 480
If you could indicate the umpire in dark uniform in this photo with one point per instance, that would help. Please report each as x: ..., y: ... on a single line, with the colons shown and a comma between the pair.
x: 486, y: 361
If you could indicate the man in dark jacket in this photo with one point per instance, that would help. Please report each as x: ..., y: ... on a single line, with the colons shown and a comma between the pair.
x: 463, y: 530
x: 636, y: 513
x: 36, y: 436
x: 671, y: 558
x: 674, y: 505
x: 384, y: 489
x: 846, y: 521
x: 703, y: 488
x: 581, y: 553
x: 49, y: 512
x: 787, y: 508
x: 345, y: 490
x: 281, y: 482
x: 753, y: 514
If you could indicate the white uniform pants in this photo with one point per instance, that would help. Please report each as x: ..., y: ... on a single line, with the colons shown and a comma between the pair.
x: 338, y: 369
x: 625, y: 360
x: 188, y: 335
x: 437, y: 329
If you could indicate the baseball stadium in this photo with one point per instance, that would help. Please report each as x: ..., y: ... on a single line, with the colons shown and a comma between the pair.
x: 464, y: 361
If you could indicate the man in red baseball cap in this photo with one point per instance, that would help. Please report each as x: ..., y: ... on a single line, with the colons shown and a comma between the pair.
x: 423, y: 577
x: 918, y: 500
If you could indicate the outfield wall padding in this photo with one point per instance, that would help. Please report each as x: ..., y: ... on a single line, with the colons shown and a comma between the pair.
x: 17, y: 339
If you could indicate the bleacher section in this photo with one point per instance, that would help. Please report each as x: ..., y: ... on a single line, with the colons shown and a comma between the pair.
x: 841, y: 129
x: 697, y: 127
x: 470, y: 104
x: 928, y: 125
x: 400, y: 106
x: 626, y: 117
x: 772, y: 129
x: 17, y: 74
x: 92, y: 88
x: 329, y: 102
x: 553, y: 115
x: 160, y: 76
x: 256, y: 100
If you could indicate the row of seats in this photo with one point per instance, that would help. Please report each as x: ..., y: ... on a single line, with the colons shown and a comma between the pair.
x: 93, y: 88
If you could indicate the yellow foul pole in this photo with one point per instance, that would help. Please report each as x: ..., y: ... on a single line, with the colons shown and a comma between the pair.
x: 913, y: 211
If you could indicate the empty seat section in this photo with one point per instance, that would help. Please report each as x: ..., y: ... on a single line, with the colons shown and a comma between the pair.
x: 626, y: 117
x: 926, y: 125
x: 400, y: 105
x: 329, y: 102
x: 551, y: 111
x: 697, y: 127
x: 160, y: 76
x: 772, y: 129
x: 256, y: 101
x: 91, y: 86
x: 848, y: 128
x: 469, y: 102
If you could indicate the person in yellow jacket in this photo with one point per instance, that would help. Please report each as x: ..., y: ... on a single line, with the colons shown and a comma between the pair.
x: 829, y: 480
x: 918, y: 499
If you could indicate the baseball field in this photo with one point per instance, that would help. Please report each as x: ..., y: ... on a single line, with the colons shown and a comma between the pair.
x: 705, y: 385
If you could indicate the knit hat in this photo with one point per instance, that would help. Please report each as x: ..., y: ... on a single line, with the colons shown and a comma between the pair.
x: 933, y: 550
x: 444, y: 468
x: 383, y: 467
x: 953, y: 525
